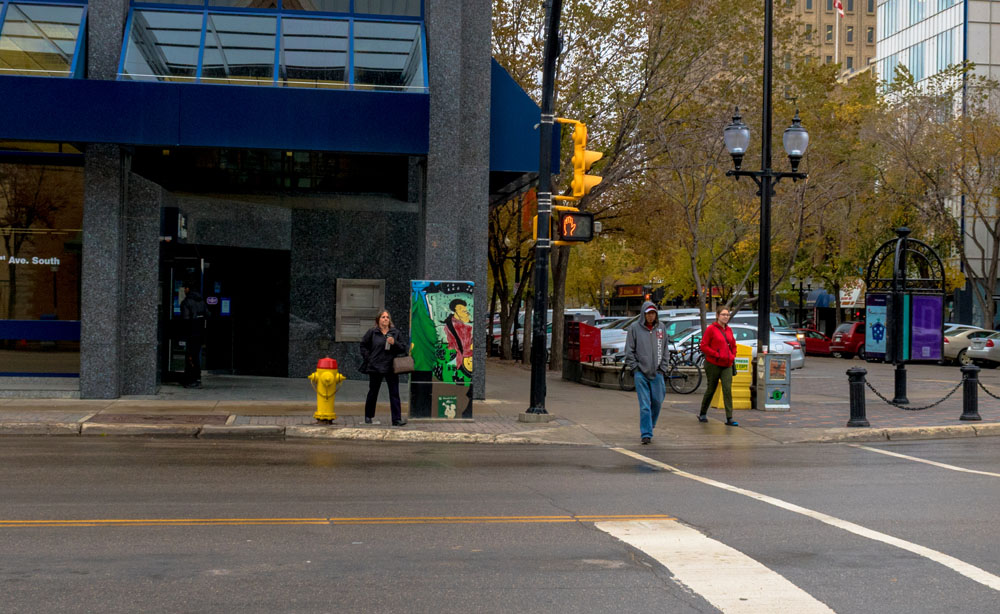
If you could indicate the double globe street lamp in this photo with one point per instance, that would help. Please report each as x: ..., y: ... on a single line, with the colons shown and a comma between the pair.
x: 737, y: 138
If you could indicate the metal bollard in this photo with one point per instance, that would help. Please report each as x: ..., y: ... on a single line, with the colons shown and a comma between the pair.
x: 899, y: 385
x: 970, y: 393
x: 856, y: 377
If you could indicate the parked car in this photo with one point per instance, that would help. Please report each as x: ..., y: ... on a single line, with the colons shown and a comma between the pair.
x: 952, y: 326
x: 848, y: 340
x: 816, y: 343
x: 689, y: 340
x: 613, y: 341
x: 985, y: 351
x: 609, y: 321
x: 957, y: 342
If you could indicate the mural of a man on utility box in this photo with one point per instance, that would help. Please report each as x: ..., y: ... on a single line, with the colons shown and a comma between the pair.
x: 441, y: 331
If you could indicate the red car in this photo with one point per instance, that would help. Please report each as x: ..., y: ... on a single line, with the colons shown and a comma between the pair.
x: 849, y: 340
x: 816, y: 343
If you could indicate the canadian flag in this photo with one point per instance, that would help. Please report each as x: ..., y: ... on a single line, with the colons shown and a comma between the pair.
x: 840, y: 7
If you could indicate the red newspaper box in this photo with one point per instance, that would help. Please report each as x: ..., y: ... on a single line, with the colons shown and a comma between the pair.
x: 590, y: 343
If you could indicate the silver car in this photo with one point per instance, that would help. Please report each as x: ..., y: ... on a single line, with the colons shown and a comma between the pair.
x: 958, y: 341
x: 690, y: 338
x: 985, y: 351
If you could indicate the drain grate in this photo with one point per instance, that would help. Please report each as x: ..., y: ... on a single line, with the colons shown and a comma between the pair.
x: 158, y: 419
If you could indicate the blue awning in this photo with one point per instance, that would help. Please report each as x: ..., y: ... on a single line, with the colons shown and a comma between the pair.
x: 202, y: 115
x: 514, y: 139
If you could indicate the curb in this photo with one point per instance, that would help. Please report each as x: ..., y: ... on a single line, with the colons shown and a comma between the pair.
x: 140, y: 430
x: 39, y: 428
x: 242, y: 431
x: 908, y: 433
x: 371, y: 434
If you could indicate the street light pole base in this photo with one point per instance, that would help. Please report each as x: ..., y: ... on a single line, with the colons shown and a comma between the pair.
x: 528, y: 416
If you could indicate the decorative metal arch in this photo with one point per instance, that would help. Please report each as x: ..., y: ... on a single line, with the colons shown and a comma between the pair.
x: 921, y: 268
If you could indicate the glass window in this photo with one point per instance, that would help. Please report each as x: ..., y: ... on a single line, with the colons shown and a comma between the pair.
x: 871, y: 6
x: 162, y: 46
x: 809, y: 31
x: 829, y: 6
x: 829, y: 34
x: 850, y: 6
x: 850, y: 34
x: 239, y: 49
x: 313, y: 53
x: 870, y: 35
x: 407, y: 8
x: 809, y: 5
x: 41, y: 216
x: 850, y: 63
x: 242, y: 4
x: 388, y: 56
x: 39, y: 39
x: 326, y: 6
x: 829, y: 59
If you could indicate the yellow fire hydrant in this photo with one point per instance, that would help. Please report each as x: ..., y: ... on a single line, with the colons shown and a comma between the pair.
x: 325, y: 382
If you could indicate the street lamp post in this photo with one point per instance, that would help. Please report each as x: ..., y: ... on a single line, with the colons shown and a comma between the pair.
x: 795, y: 140
x: 808, y: 287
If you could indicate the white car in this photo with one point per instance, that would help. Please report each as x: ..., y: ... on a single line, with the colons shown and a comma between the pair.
x: 688, y: 340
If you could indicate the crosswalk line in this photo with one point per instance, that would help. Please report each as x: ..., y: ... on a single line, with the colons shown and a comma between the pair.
x: 925, y: 461
x: 725, y: 577
x: 968, y: 570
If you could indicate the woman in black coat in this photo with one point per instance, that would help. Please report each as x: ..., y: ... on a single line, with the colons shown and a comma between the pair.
x: 379, y: 346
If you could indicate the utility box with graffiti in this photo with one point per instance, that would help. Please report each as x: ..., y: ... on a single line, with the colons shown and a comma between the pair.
x: 441, y: 346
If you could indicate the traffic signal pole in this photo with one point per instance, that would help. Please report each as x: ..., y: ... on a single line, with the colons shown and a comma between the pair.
x: 543, y: 244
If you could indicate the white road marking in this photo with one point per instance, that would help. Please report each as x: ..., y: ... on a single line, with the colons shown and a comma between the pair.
x: 728, y: 579
x: 926, y: 462
x: 968, y: 570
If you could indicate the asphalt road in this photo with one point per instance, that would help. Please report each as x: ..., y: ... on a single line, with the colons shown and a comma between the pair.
x: 180, y: 526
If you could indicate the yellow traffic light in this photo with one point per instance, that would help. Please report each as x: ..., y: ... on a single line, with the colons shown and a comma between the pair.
x: 583, y: 159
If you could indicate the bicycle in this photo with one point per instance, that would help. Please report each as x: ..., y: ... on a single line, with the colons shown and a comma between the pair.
x: 684, y: 374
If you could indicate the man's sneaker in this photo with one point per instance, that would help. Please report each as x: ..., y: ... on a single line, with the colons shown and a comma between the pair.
x: 702, y: 418
x: 731, y: 422
x: 646, y: 440
x: 372, y: 421
x: 400, y: 422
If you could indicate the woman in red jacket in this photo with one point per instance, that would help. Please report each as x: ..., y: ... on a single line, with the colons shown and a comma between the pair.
x: 719, y: 348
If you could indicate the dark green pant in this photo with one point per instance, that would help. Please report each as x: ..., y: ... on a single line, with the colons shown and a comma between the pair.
x: 715, y: 375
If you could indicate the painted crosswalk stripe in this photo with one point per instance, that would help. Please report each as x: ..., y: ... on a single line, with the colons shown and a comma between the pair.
x: 726, y: 578
x: 925, y: 461
x: 966, y: 569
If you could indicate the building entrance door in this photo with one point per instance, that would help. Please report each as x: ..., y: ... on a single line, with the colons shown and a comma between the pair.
x: 246, y: 291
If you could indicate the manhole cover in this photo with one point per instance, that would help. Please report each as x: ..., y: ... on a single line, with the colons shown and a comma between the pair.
x: 159, y: 419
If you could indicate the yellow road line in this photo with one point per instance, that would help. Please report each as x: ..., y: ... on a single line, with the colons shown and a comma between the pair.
x: 150, y: 522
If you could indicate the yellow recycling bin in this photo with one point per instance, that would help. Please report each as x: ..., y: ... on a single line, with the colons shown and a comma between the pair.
x: 742, y: 381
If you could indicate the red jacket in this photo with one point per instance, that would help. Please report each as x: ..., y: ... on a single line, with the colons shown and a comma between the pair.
x: 718, y: 345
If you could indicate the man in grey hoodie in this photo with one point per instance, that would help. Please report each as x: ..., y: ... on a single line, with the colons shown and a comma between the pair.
x: 647, y: 356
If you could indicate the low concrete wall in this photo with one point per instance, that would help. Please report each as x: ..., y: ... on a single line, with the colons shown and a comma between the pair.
x: 602, y: 376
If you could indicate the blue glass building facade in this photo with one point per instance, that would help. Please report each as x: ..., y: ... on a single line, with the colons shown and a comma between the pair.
x: 264, y: 149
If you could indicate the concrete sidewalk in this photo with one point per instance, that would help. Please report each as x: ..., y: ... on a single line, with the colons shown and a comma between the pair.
x: 279, y: 408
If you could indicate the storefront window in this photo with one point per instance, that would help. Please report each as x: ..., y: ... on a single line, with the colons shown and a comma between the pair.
x: 40, y: 40
x: 41, y: 214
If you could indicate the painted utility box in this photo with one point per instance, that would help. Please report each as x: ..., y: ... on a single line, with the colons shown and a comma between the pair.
x: 441, y: 343
x: 774, y: 382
